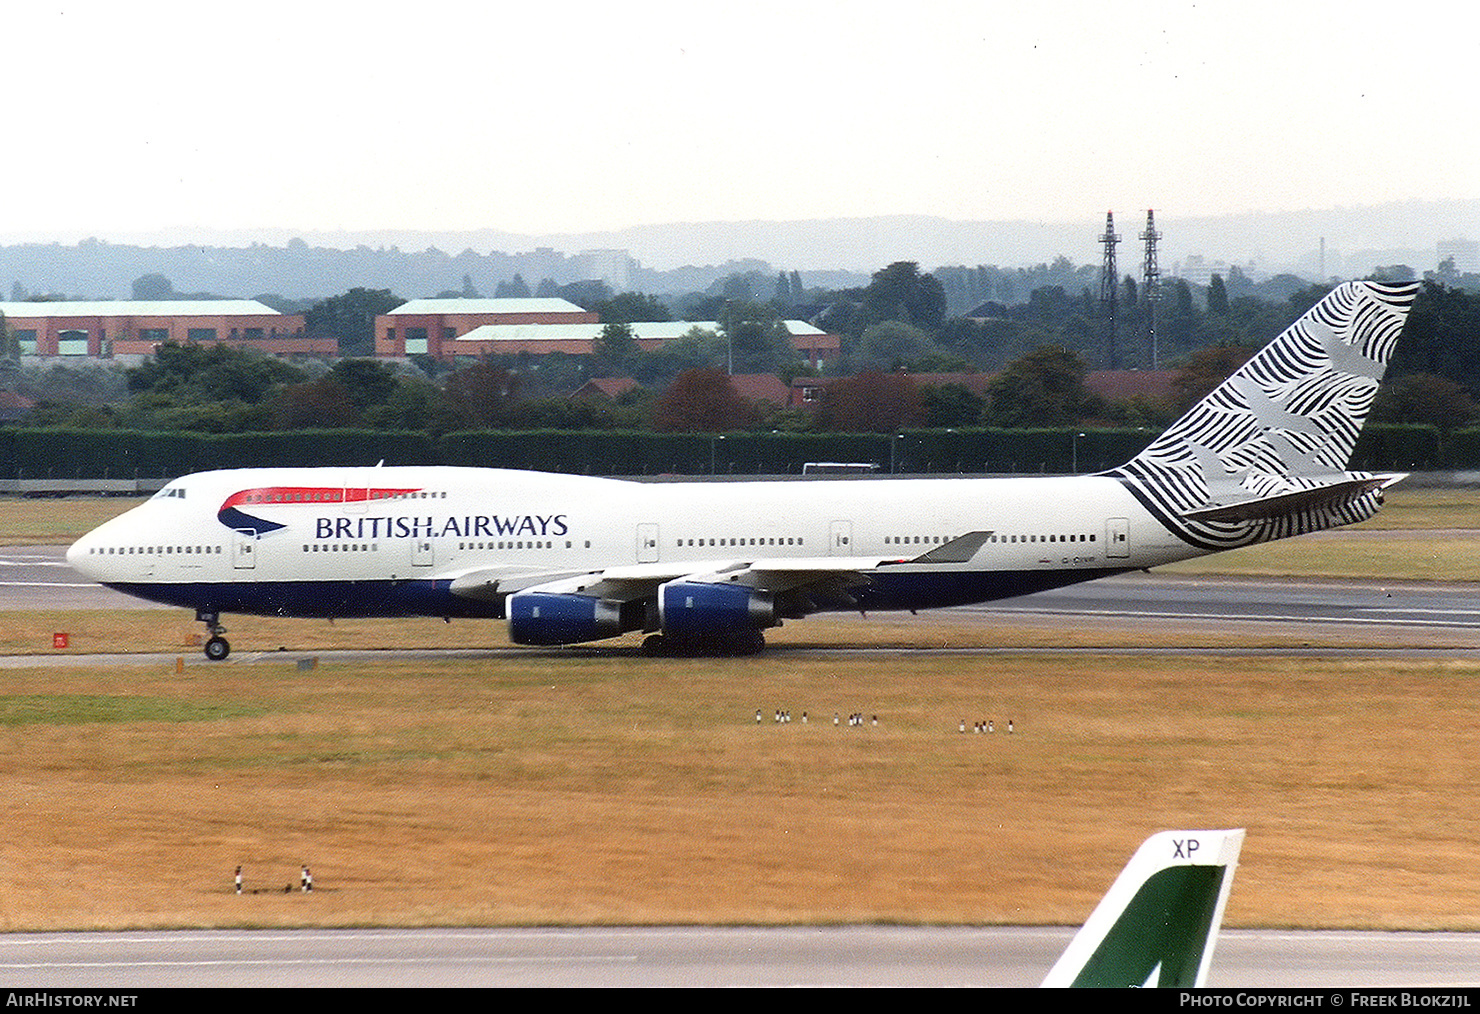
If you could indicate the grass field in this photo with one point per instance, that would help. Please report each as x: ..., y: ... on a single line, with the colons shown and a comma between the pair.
x: 55, y: 521
x: 1373, y: 555
x: 604, y: 787
x: 1426, y: 509
x: 547, y: 790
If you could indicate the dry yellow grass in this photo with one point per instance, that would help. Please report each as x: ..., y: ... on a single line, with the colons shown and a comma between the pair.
x: 1374, y: 556
x: 52, y: 521
x: 553, y: 790
x: 1410, y: 508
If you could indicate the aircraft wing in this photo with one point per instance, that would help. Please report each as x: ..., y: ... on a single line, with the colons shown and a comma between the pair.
x: 687, y: 599
x: 773, y: 574
x: 754, y: 594
x: 636, y: 581
x: 830, y: 576
x: 489, y: 584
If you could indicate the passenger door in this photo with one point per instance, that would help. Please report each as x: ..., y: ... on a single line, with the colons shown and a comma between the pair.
x: 840, y: 542
x: 647, y: 543
x: 244, y: 549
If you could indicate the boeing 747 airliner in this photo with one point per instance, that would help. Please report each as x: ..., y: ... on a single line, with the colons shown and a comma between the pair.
x: 707, y: 567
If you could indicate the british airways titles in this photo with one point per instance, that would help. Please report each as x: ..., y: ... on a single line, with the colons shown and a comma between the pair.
x: 232, y: 515
x: 466, y: 527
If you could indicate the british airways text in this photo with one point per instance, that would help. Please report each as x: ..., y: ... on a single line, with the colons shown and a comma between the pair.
x: 470, y: 526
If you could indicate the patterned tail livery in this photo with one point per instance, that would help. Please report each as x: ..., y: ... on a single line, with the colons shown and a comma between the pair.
x: 1265, y: 455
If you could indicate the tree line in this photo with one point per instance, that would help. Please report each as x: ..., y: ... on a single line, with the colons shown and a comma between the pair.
x: 1037, y: 352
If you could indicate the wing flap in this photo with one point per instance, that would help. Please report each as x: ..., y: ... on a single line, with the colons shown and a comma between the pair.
x: 488, y: 584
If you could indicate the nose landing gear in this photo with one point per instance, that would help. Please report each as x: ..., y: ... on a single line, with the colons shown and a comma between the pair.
x: 217, y: 647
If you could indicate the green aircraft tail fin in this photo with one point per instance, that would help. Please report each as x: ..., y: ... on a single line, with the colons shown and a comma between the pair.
x: 1159, y: 921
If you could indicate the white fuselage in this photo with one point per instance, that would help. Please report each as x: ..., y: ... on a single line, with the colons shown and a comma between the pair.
x: 319, y: 527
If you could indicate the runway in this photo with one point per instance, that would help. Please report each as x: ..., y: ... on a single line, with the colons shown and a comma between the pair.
x: 1265, y: 600
x: 863, y: 956
x: 1408, y: 616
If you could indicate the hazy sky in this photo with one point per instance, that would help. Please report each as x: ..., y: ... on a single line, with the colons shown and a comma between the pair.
x: 579, y: 116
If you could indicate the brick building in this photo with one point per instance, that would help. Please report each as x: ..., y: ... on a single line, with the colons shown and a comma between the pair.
x: 104, y: 328
x: 469, y: 335
x: 428, y: 326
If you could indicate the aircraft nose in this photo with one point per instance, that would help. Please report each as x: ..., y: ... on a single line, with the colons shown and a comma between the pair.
x: 77, y: 555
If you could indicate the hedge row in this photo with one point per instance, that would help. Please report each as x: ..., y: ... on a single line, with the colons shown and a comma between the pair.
x: 114, y: 454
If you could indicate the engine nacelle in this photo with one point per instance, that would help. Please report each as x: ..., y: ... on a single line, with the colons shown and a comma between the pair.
x: 549, y: 618
x: 692, y: 610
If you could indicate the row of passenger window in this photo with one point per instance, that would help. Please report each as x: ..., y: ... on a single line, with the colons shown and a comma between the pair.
x: 1082, y: 537
x: 374, y: 547
x: 152, y: 550
x: 777, y: 541
x: 333, y: 496
x: 516, y: 544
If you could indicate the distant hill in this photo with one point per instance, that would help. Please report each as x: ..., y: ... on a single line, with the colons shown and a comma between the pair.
x: 1356, y: 239
x: 687, y: 257
x: 93, y: 269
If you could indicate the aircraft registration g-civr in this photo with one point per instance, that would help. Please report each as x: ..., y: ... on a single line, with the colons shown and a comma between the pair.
x: 707, y: 567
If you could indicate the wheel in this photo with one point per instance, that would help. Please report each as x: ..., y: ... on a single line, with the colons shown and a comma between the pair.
x: 731, y: 645
x: 752, y: 642
x: 217, y: 648
x: 668, y: 646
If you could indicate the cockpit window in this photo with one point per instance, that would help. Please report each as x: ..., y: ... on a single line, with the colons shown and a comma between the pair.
x: 177, y: 492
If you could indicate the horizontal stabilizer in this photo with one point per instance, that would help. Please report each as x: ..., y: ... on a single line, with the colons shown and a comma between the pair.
x: 1258, y: 508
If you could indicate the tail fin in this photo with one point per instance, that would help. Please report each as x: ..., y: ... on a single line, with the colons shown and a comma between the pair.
x: 1265, y: 454
x: 1159, y: 921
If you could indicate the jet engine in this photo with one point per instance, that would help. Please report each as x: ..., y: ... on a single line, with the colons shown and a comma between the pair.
x: 537, y: 617
x: 690, y: 610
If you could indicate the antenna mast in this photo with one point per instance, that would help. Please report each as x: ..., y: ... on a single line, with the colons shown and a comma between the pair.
x: 1151, y: 283
x: 1109, y: 286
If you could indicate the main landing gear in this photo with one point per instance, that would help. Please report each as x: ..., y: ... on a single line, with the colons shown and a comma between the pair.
x: 217, y: 647
x: 730, y: 644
